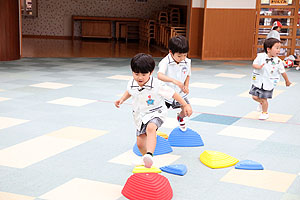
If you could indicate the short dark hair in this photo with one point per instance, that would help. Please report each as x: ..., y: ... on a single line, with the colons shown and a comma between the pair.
x: 178, y: 44
x: 269, y: 43
x: 142, y: 63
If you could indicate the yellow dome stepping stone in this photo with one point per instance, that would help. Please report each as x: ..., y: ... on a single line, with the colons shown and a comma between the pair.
x: 162, y: 134
x: 143, y: 169
x: 215, y: 159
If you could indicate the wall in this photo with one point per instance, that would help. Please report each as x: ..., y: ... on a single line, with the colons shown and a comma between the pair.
x: 222, y: 30
x: 178, y: 2
x: 229, y: 29
x: 54, y: 16
x: 196, y: 28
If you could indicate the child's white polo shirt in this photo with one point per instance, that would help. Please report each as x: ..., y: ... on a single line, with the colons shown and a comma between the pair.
x: 148, y: 101
x: 179, y: 71
x: 267, y: 77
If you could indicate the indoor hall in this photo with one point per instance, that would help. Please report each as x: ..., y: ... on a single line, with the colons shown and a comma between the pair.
x: 61, y: 137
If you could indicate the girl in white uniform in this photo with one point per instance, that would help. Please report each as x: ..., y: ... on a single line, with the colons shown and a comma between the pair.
x: 266, y: 74
x: 149, y: 109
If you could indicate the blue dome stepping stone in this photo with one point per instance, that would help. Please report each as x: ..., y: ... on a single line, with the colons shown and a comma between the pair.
x: 188, y: 138
x: 179, y: 169
x: 162, y: 147
x: 249, y: 164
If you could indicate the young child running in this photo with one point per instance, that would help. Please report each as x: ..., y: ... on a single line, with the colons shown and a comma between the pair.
x: 175, y: 70
x: 266, y: 74
x: 149, y: 109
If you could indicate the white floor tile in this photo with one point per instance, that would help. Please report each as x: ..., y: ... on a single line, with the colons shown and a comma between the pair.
x: 4, y: 99
x: 265, y: 179
x: 51, y: 85
x: 228, y: 75
x: 129, y: 157
x: 11, y: 196
x: 6, y: 122
x: 70, y: 101
x: 170, y: 123
x: 80, y: 189
x: 205, y: 102
x: 120, y: 77
x: 32, y: 151
x: 245, y: 132
x: 273, y: 117
x: 205, y: 85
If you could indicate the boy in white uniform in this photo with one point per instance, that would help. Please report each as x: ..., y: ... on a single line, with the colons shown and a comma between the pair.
x: 266, y: 74
x: 175, y: 70
x: 149, y: 109
x: 275, y: 32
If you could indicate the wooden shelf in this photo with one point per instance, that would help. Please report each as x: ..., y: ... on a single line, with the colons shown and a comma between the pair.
x: 283, y: 47
x: 275, y: 6
x: 291, y: 19
x: 277, y: 16
x: 281, y: 37
x: 283, y: 27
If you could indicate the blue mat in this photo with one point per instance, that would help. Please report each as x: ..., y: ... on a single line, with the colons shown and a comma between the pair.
x: 249, y: 164
x: 162, y: 147
x: 179, y: 169
x: 217, y: 119
x: 188, y: 138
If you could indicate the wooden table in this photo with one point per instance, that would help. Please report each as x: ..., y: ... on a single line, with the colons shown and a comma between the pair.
x: 105, y: 21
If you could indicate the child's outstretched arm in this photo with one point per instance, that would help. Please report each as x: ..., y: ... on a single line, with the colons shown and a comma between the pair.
x: 186, y: 107
x: 256, y: 66
x: 287, y: 81
x: 165, y: 78
x: 186, y: 85
x: 125, y: 96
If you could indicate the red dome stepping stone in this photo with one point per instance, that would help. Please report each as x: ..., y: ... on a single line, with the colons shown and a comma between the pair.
x: 150, y: 186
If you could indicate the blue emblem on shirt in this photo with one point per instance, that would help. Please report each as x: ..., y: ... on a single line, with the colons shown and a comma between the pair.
x: 150, y: 101
x: 184, y: 69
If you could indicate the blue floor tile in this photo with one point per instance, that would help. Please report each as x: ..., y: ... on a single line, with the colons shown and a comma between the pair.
x: 217, y: 119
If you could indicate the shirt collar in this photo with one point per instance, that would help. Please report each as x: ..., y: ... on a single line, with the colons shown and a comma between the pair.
x: 172, y: 61
x: 148, y: 85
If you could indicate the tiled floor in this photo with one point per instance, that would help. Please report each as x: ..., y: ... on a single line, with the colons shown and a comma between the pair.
x: 62, y: 138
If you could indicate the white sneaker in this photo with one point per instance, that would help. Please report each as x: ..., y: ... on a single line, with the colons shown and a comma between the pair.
x: 259, y: 107
x: 264, y: 116
x: 181, y: 122
x: 148, y: 160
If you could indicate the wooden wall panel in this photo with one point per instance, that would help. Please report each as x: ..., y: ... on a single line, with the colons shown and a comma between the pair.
x: 9, y: 30
x: 229, y: 34
x: 196, y: 32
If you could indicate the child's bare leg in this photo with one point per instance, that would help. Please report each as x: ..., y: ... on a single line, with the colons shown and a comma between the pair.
x: 256, y: 98
x: 181, y: 114
x: 264, y: 103
x: 151, y: 137
x: 141, y: 142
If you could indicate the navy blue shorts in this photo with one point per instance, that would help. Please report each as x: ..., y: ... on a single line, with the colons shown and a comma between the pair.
x: 261, y: 93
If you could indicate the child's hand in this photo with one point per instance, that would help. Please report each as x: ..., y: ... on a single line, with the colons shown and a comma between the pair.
x: 288, y: 83
x: 118, y: 103
x: 261, y: 66
x: 186, y: 90
x: 187, y: 109
x: 179, y: 84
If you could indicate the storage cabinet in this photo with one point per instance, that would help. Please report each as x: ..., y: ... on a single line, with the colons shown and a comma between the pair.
x: 97, y: 29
